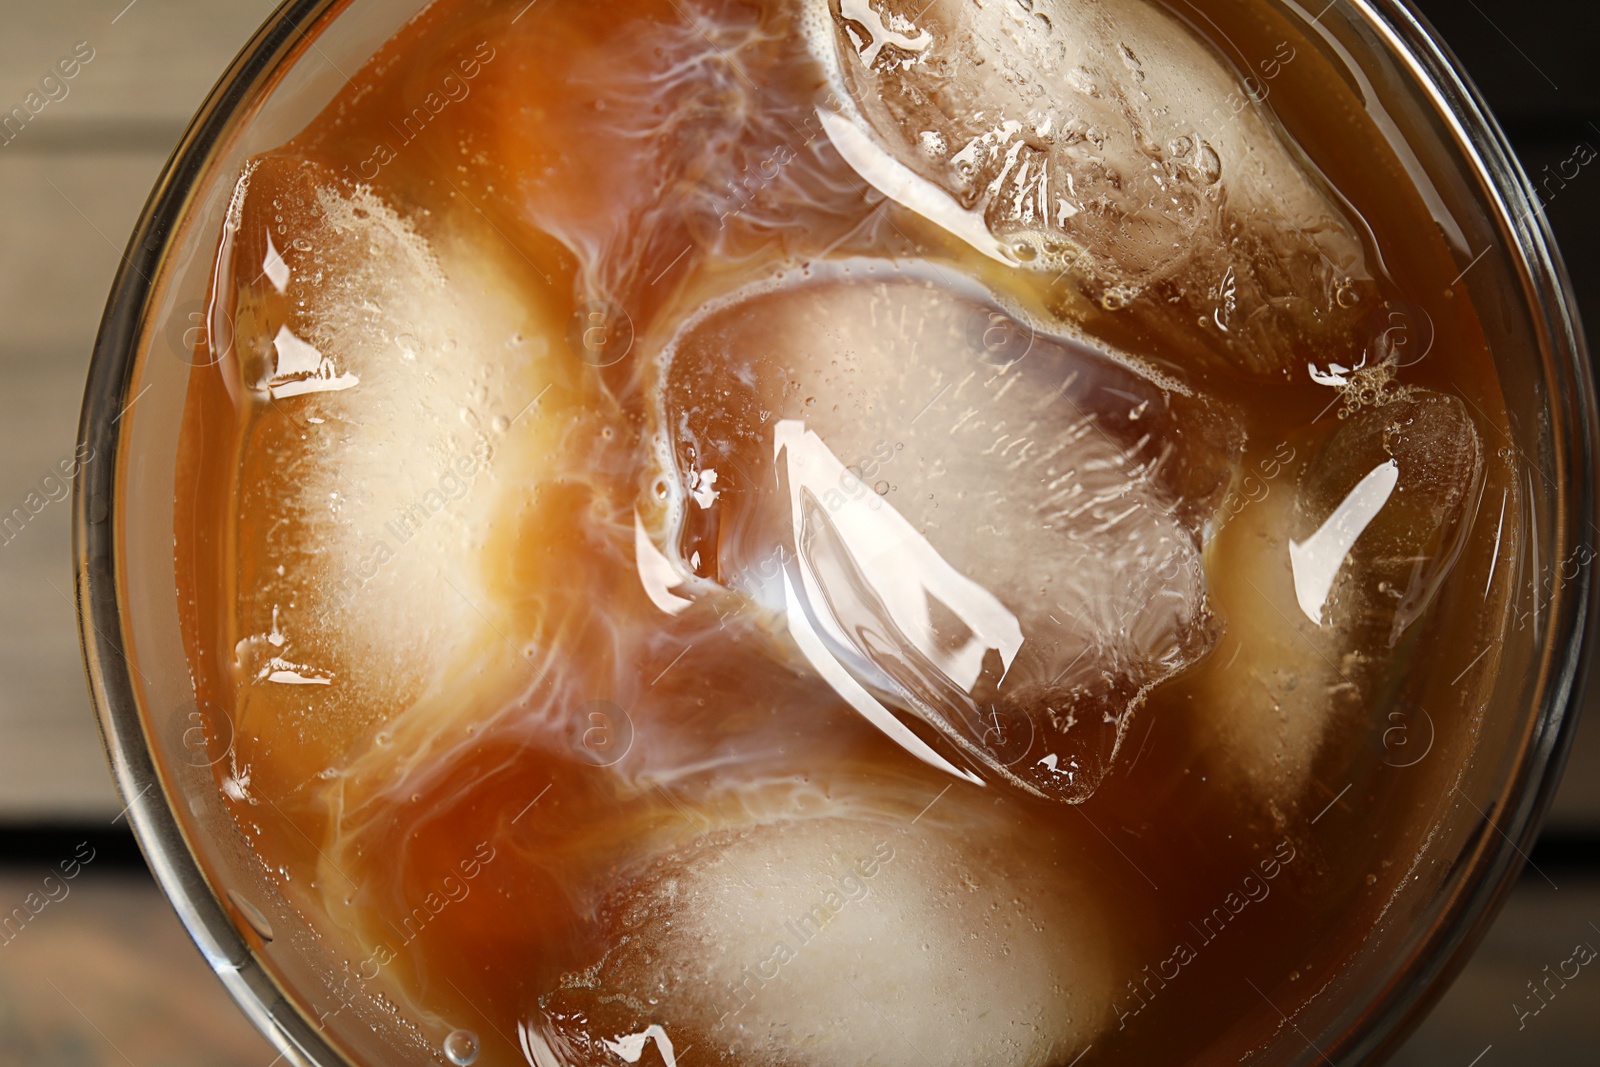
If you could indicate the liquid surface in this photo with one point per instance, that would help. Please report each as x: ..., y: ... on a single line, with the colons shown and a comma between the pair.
x: 841, y: 532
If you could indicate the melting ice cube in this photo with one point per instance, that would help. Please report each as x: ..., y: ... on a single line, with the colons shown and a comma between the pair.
x: 844, y: 939
x: 367, y: 499
x: 1105, y: 139
x: 1319, y: 584
x: 1005, y: 548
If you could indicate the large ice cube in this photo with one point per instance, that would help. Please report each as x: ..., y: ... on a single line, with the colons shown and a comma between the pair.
x: 1000, y: 537
x: 384, y: 370
x: 1102, y: 140
x: 852, y: 939
x: 1319, y: 585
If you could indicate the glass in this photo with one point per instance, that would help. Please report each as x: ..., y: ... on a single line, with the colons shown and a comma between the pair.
x: 272, y: 959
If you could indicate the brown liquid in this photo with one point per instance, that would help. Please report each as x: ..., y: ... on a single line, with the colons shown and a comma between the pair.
x: 465, y: 824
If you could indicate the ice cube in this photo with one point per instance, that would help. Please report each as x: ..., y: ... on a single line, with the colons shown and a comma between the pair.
x: 1102, y: 140
x: 1001, y: 539
x: 845, y: 939
x: 373, y: 360
x: 1319, y: 585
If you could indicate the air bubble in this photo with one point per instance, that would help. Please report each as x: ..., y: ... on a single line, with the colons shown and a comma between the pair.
x: 1117, y: 297
x: 461, y: 1047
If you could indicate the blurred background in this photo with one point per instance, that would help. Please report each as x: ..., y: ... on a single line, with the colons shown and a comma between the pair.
x: 105, y: 974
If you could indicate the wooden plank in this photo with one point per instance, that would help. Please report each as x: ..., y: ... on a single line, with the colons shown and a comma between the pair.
x: 72, y: 181
x: 152, y: 61
x: 68, y: 217
x: 1539, y: 928
x: 105, y: 976
x: 1576, y: 811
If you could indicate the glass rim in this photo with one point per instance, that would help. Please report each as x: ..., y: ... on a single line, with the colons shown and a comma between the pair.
x: 1488, y: 869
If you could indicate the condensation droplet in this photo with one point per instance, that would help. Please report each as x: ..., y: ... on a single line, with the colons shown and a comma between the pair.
x: 461, y: 1047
